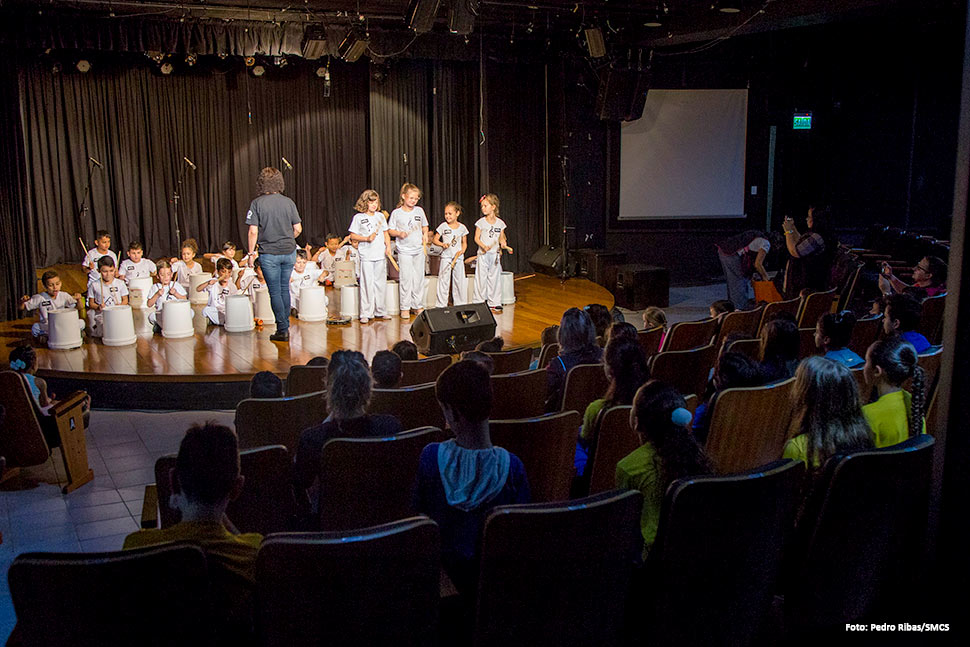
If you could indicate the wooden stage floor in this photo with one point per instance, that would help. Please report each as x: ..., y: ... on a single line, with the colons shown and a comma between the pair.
x: 213, y: 355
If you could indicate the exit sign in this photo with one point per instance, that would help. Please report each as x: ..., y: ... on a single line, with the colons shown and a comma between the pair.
x: 802, y: 121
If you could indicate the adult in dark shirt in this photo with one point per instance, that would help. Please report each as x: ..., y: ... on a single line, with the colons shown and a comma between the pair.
x: 577, y: 345
x: 811, y: 254
x: 348, y: 393
x: 274, y: 223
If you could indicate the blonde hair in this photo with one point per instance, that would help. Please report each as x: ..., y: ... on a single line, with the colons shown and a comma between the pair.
x: 406, y: 188
x: 365, y: 197
x: 162, y: 264
x: 654, y: 316
x: 493, y: 199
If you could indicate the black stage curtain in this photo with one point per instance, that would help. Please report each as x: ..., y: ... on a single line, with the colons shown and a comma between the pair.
x: 16, y: 278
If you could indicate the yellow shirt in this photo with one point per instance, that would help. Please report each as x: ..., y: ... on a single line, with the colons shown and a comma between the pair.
x: 888, y: 417
x: 639, y: 471
x: 797, y: 449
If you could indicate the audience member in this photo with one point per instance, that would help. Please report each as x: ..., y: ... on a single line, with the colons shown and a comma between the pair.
x: 577, y: 345
x: 653, y: 317
x: 493, y: 345
x: 896, y: 414
x: 386, y: 369
x: 601, y: 317
x: 732, y: 371
x: 266, y: 385
x: 929, y: 275
x: 550, y: 335
x: 667, y: 452
x: 339, y: 357
x: 832, y: 334
x: 827, y: 414
x: 480, y: 358
x: 902, y: 317
x: 811, y: 254
x: 406, y: 350
x: 779, y: 350
x: 621, y: 330
x: 318, y: 361
x: 741, y: 256
x: 720, y: 308
x: 461, y: 479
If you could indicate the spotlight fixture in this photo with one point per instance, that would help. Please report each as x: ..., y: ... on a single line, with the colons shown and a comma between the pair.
x: 190, y: 59
x: 55, y: 67
x: 595, y: 43
x: 461, y: 16
x: 222, y: 55
x: 259, y: 70
x: 656, y: 19
x: 420, y: 15
x: 166, y: 68
x: 280, y: 61
x: 250, y: 61
x: 155, y: 55
x: 83, y: 66
x: 727, y: 6
x: 352, y: 47
x: 314, y: 43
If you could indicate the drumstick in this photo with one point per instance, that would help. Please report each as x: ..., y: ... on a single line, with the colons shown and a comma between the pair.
x: 83, y: 248
x: 394, y: 263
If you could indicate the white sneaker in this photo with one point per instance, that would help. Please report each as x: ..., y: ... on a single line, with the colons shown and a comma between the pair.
x: 405, y: 314
x: 364, y: 320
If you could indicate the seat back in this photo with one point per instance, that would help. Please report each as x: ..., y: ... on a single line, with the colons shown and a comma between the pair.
x: 814, y: 306
x: 717, y: 556
x: 772, y: 309
x: 860, y: 380
x: 650, y: 340
x: 369, y: 481
x: 685, y: 370
x: 422, y: 371
x: 931, y: 319
x: 864, y: 333
x: 278, y: 421
x: 511, y: 361
x: 741, y: 322
x: 87, y: 600
x: 21, y: 439
x: 750, y: 347
x: 749, y: 426
x: 806, y: 343
x: 851, y: 287
x: 557, y: 574
x: 584, y: 383
x: 518, y: 395
x: 413, y: 406
x: 546, y: 445
x: 858, y: 542
x: 614, y: 440
x: 546, y: 355
x: 930, y: 362
x: 306, y: 379
x: 375, y: 586
x: 686, y: 335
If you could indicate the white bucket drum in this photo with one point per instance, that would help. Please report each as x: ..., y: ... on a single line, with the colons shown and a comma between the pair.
x: 119, y: 326
x: 313, y: 303
x: 349, y: 306
x: 177, y: 319
x: 63, y: 329
x: 392, y: 298
x: 195, y: 280
x: 344, y: 273
x: 264, y: 307
x: 508, y: 288
x: 138, y: 290
x: 239, y: 314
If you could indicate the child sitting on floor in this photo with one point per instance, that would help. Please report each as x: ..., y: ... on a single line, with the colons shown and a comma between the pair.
x: 187, y: 266
x: 248, y: 284
x: 302, y: 276
x: 165, y: 290
x: 229, y: 252
x: 106, y: 292
x: 102, y: 242
x: 52, y: 299
x: 135, y: 266
x: 219, y: 289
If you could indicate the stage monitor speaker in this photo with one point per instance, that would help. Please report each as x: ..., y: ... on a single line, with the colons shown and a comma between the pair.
x: 452, y: 330
x: 547, y: 260
x: 622, y: 95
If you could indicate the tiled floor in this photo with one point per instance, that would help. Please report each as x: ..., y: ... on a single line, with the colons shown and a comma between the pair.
x: 122, y: 448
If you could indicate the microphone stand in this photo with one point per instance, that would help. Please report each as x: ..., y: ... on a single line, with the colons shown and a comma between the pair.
x: 564, y: 272
x: 175, y: 201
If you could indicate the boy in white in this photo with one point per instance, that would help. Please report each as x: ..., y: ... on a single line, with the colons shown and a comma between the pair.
x: 102, y: 243
x: 451, y: 237
x: 369, y: 229
x: 52, y: 299
x: 219, y: 289
x: 249, y: 283
x: 303, y: 276
x: 490, y: 238
x: 350, y: 252
x: 135, y: 266
x: 106, y: 292
x: 409, y: 224
x: 165, y: 290
x: 327, y: 256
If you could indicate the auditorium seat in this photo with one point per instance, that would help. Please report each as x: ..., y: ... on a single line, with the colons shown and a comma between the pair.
x: 306, y: 379
x: 371, y: 586
x: 930, y: 362
x: 749, y: 426
x: 814, y: 306
x: 278, y: 421
x: 511, y: 361
x: 558, y: 574
x: 806, y: 343
x: 852, y: 286
x: 772, y: 310
x: 155, y: 596
x: 687, y: 335
x: 518, y: 395
x: 749, y: 347
x: 864, y: 333
x: 650, y: 340
x: 547, y: 354
x: 931, y: 319
x: 546, y: 445
x: 865, y: 393
x: 615, y: 439
x: 685, y: 370
x: 413, y: 406
x: 858, y: 543
x: 712, y: 571
x: 584, y: 383
x: 740, y: 322
x: 422, y: 371
x: 369, y: 481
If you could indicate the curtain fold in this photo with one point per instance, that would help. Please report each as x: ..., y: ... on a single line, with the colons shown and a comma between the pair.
x: 455, y: 160
x: 16, y: 277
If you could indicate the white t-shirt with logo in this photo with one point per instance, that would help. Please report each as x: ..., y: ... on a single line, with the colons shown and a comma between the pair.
x: 43, y: 303
x: 411, y: 221
x: 218, y: 294
x: 183, y: 272
x: 93, y: 256
x: 365, y: 224
x: 107, y: 294
x: 451, y: 238
x: 299, y: 280
x: 168, y: 293
x: 491, y: 233
x: 129, y: 269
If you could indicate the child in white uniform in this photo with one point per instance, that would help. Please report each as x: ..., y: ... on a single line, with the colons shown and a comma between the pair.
x: 350, y: 252
x: 451, y: 236
x: 248, y: 284
x: 165, y: 290
x: 327, y: 256
x: 52, y: 299
x: 228, y: 251
x: 187, y: 266
x: 102, y: 243
x: 409, y: 224
x: 369, y: 229
x: 303, y: 276
x: 219, y: 289
x: 490, y: 238
x: 135, y: 266
x: 107, y: 291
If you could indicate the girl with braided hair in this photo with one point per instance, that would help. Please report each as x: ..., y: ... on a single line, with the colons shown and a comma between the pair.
x: 897, y: 414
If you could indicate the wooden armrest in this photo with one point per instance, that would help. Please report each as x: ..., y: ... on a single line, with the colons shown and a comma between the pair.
x: 149, y: 507
x: 68, y: 403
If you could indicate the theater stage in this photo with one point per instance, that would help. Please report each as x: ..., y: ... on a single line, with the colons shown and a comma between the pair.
x: 159, y: 373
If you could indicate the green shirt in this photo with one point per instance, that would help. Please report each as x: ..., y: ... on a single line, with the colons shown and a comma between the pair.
x: 797, y: 449
x: 888, y: 417
x: 589, y: 418
x: 640, y: 471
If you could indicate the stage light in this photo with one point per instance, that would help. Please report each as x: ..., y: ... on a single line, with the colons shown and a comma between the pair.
x: 420, y: 15
x: 656, y: 19
x: 352, y: 47
x: 166, y: 68
x: 55, y: 67
x: 461, y: 16
x: 727, y: 6
x: 280, y: 61
x: 595, y: 43
x: 259, y: 70
x: 314, y: 42
x: 190, y: 59
x: 155, y: 55
x: 250, y: 61
x: 83, y: 66
x: 222, y: 55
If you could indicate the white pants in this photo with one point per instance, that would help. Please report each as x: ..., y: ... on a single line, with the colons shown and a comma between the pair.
x: 488, y: 280
x: 412, y: 282
x: 373, y: 282
x: 215, y: 315
x: 447, y: 276
x: 39, y: 329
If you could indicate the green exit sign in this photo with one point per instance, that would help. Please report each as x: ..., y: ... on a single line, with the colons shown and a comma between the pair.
x: 802, y: 121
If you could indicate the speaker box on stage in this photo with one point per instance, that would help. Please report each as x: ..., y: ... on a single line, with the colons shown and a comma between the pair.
x: 452, y: 330
x: 599, y: 266
x: 547, y: 260
x: 642, y: 286
x: 622, y: 95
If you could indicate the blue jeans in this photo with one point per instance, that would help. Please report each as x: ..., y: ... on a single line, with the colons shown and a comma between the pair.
x: 277, y: 269
x: 739, y: 289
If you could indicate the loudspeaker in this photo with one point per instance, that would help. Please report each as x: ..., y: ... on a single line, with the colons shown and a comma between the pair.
x: 547, y: 260
x: 452, y: 330
x: 622, y: 94
x: 599, y: 265
x: 640, y: 286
